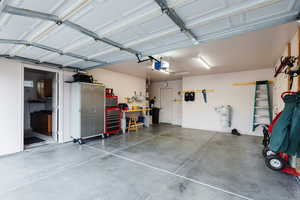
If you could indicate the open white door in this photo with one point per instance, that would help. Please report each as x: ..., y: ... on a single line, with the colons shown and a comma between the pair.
x: 55, y: 106
x: 166, y: 105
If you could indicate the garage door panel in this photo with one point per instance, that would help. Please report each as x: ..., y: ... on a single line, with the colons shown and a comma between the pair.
x: 160, y: 23
x: 127, y: 35
x: 140, y: 24
x: 196, y: 9
x: 269, y: 11
x: 17, y: 27
x: 110, y: 13
x: 4, y: 48
x: 61, y: 59
x: 216, y: 26
x: 115, y: 56
x: 144, y: 29
x: 46, y: 6
x: 62, y: 37
x: 161, y: 42
x: 91, y: 48
x: 235, y: 2
x: 85, y: 64
x: 178, y: 45
x: 32, y: 52
x: 237, y: 20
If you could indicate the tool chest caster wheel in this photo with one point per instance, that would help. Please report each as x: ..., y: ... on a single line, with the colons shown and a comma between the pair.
x: 103, y: 136
x: 80, y: 141
x: 275, y: 162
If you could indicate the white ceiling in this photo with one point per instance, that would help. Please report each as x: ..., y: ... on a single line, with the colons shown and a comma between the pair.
x: 255, y: 50
x: 135, y: 24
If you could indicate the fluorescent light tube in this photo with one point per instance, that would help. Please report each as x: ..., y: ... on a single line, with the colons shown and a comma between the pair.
x: 181, y: 73
x: 204, y: 63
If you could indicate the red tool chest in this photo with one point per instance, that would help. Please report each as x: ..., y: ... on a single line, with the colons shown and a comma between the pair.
x: 112, y: 115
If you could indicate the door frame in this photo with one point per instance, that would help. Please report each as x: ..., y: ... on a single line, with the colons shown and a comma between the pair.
x: 60, y: 85
x: 171, y: 119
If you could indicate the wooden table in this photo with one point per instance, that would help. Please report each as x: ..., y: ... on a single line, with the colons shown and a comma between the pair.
x: 144, y: 112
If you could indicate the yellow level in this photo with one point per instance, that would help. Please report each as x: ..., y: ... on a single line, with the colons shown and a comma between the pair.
x: 198, y: 91
x: 177, y: 100
x: 248, y: 83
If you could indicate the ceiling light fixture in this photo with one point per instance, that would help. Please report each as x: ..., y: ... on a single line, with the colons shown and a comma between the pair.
x: 203, y: 62
x: 163, y: 71
x: 181, y: 73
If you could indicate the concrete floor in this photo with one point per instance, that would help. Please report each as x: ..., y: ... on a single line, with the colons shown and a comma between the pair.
x: 163, y: 162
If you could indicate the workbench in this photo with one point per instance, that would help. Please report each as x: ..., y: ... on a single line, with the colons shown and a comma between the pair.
x: 143, y: 112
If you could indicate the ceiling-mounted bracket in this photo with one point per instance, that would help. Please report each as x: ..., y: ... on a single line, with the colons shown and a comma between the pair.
x: 59, y: 22
x: 33, y: 61
x: 51, y: 49
x: 150, y: 58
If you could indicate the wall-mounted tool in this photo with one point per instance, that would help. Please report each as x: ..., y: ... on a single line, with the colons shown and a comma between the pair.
x: 204, y: 94
x: 189, y: 96
x: 192, y: 96
x: 199, y: 91
x: 186, y: 96
x: 286, y: 66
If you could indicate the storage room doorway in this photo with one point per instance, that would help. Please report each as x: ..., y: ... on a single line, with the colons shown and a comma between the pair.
x: 40, y: 107
x: 166, y: 105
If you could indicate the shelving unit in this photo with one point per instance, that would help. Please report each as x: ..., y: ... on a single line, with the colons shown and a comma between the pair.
x: 87, y: 111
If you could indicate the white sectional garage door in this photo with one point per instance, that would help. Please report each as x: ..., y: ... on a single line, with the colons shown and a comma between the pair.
x: 89, y: 33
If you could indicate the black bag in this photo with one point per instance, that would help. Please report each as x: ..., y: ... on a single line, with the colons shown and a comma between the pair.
x: 192, y: 96
x: 189, y: 96
x: 186, y: 96
x: 79, y: 77
x: 123, y: 106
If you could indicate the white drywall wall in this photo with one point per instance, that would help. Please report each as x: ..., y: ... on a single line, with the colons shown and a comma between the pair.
x: 66, y: 129
x: 11, y: 125
x: 123, y: 85
x: 199, y: 115
x: 176, y: 105
x: 11, y: 105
